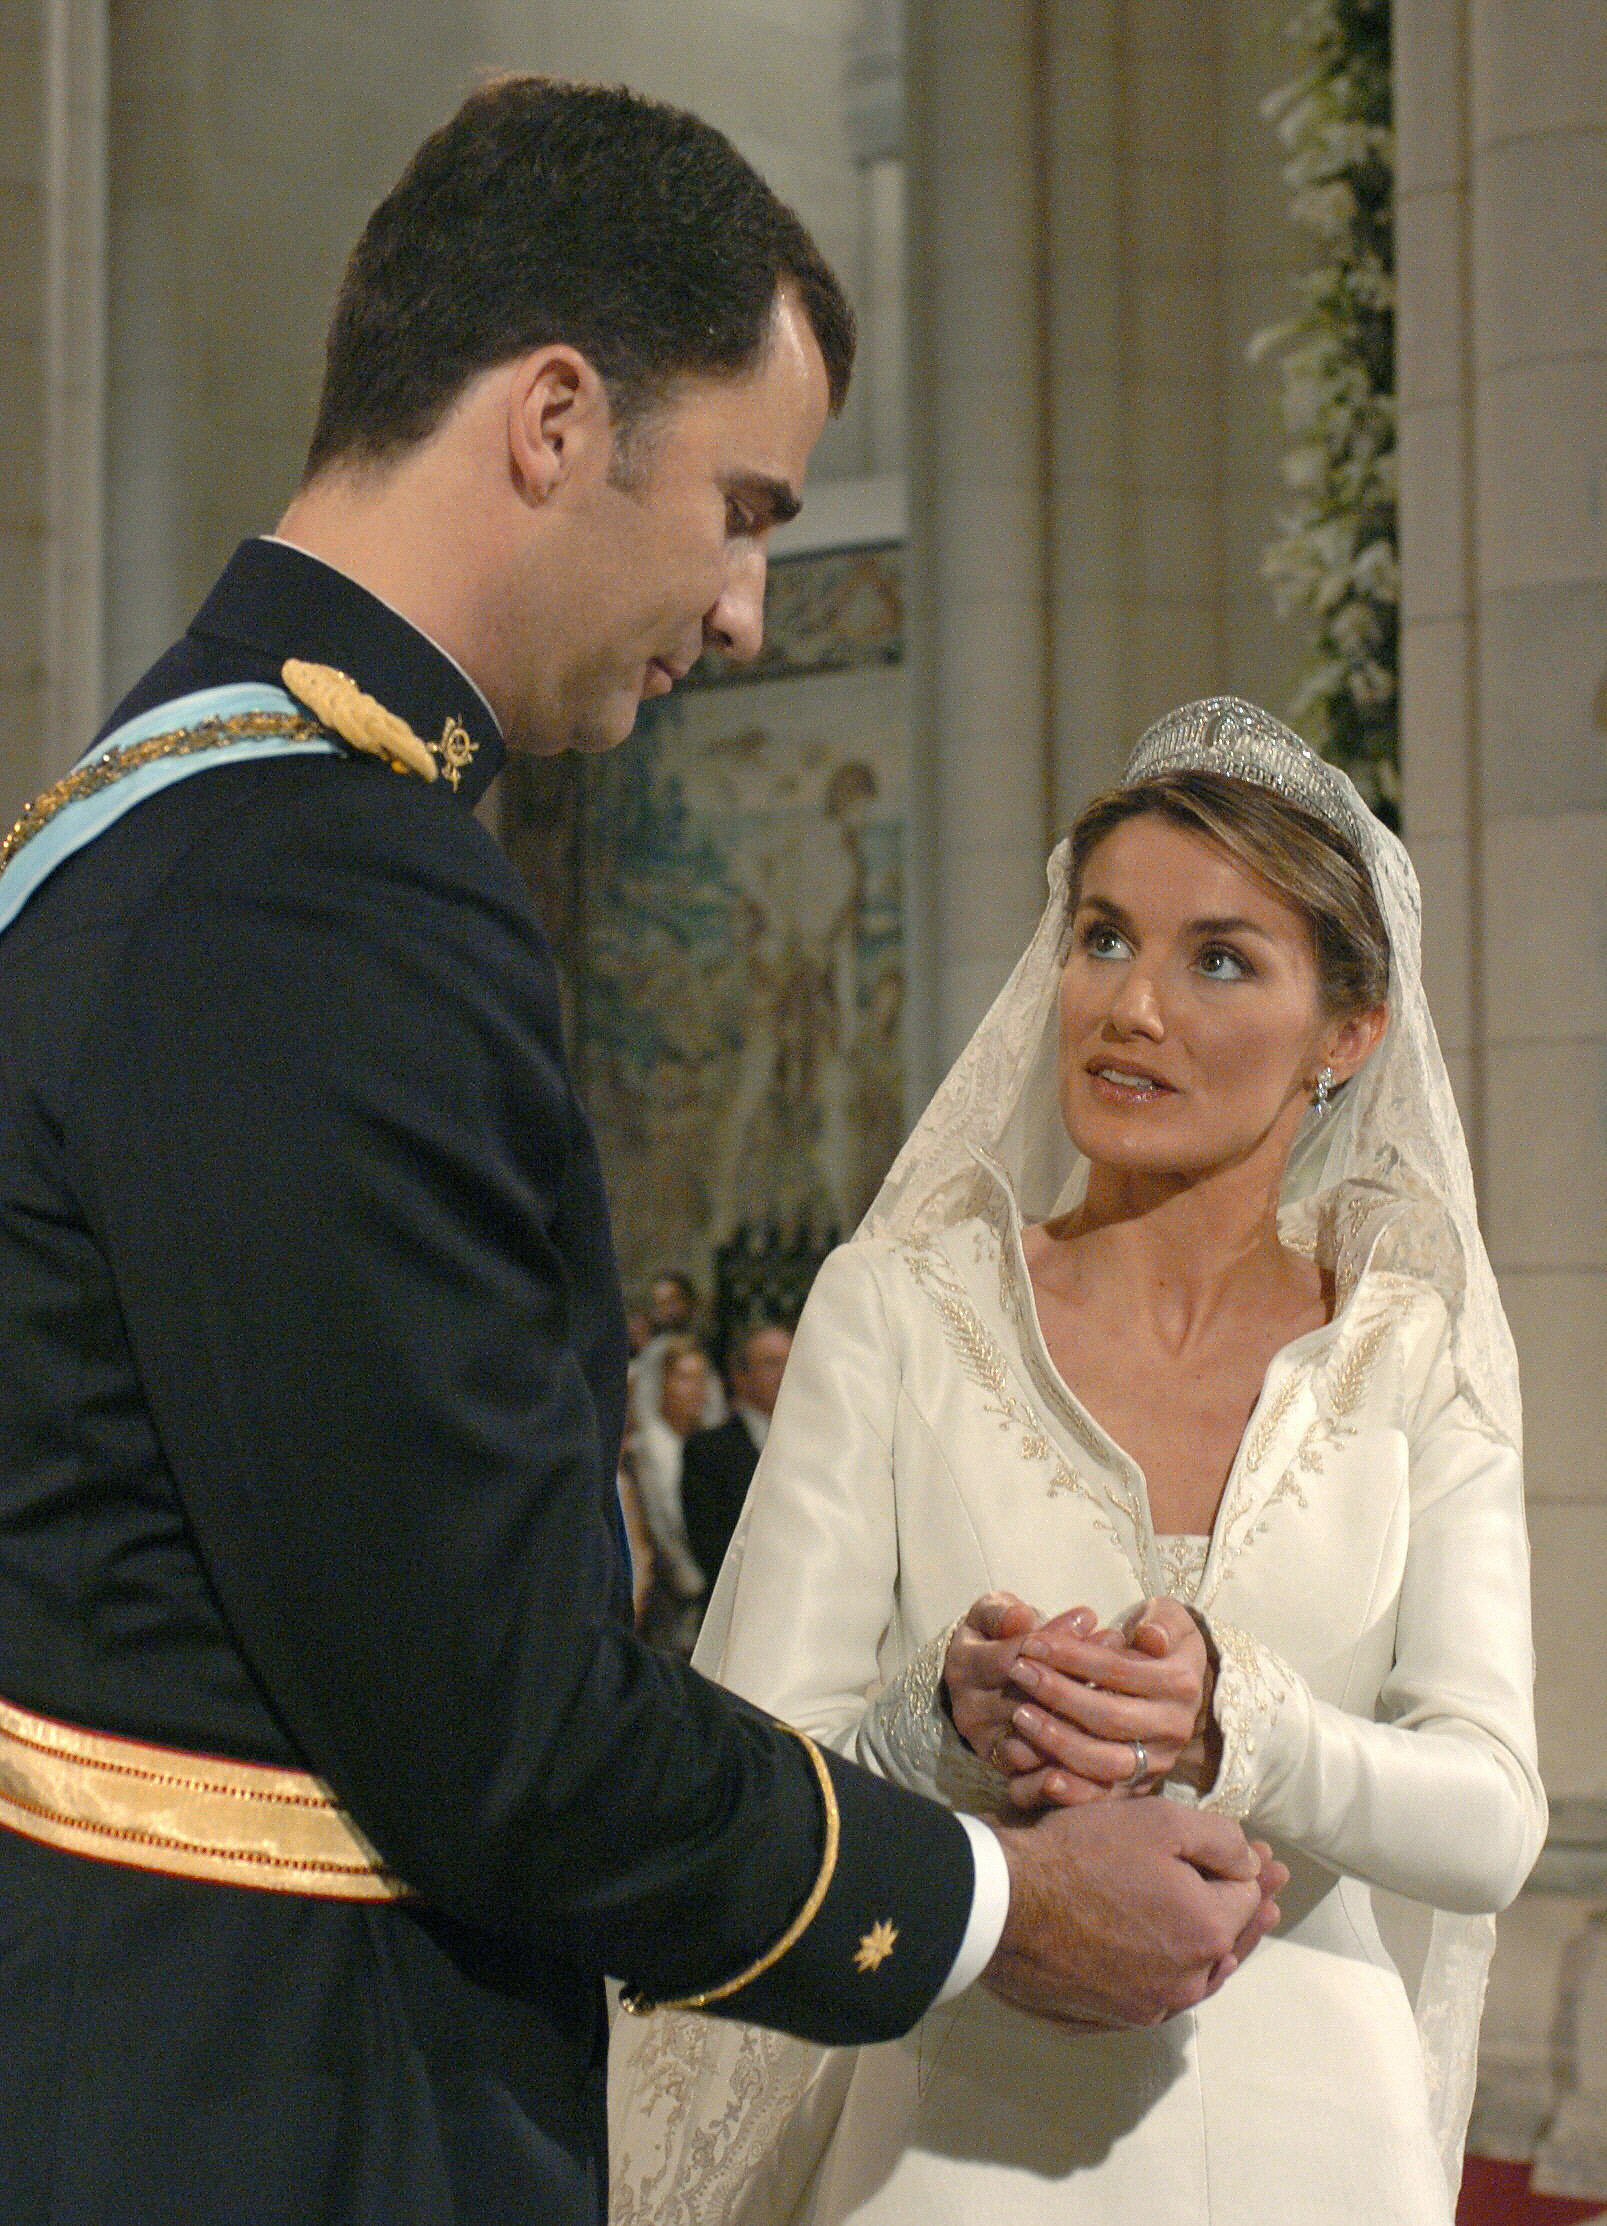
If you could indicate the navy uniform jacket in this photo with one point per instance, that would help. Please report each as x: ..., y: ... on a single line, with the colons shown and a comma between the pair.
x: 311, y: 1384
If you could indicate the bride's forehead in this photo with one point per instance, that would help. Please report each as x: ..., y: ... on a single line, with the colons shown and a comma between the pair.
x: 1151, y: 861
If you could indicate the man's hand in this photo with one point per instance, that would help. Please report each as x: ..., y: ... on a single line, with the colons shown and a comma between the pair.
x: 1124, y: 1913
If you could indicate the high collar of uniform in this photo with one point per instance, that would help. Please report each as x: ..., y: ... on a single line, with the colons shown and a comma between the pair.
x: 280, y: 602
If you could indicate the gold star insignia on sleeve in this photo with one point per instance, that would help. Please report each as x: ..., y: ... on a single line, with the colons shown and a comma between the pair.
x: 876, y: 1946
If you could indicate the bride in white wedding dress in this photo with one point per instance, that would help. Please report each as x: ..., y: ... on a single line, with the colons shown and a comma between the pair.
x: 1174, y: 1309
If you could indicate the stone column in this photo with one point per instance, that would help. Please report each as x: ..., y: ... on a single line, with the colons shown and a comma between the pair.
x: 873, y: 99
x: 75, y: 370
x: 157, y: 282
x: 1502, y: 177
x: 977, y: 607
x: 22, y: 422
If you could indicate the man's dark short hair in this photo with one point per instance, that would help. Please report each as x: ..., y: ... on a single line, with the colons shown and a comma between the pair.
x: 585, y: 214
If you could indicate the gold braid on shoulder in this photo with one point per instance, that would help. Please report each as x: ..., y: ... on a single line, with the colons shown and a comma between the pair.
x: 128, y: 757
x: 336, y: 701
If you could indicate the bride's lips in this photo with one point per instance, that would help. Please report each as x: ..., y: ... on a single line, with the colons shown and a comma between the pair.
x: 1119, y: 1084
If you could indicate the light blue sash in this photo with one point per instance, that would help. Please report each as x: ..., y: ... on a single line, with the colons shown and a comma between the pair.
x: 85, y: 817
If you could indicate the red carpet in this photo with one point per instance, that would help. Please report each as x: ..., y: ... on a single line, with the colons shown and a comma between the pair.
x: 1499, y: 2195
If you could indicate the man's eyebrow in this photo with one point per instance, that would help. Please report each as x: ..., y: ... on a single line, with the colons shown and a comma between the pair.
x: 772, y: 498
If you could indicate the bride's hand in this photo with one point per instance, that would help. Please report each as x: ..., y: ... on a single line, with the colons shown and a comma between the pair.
x: 977, y: 1669
x: 1086, y: 1700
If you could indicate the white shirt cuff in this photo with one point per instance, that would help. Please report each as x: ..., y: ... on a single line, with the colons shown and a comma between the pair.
x: 990, y: 1905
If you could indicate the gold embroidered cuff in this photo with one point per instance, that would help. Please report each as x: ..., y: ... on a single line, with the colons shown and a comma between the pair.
x: 637, y: 2005
x: 192, y: 1816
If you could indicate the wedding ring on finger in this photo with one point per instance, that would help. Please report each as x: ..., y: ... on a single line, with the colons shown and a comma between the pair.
x: 1140, y: 1770
x: 999, y: 1738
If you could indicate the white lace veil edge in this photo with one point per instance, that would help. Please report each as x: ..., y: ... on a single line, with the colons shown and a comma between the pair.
x: 1394, y: 1129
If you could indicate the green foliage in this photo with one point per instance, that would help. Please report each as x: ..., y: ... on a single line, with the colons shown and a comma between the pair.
x: 1335, y: 557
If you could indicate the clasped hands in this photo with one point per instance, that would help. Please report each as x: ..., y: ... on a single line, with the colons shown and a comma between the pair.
x: 1071, y: 1712
x: 1122, y: 1912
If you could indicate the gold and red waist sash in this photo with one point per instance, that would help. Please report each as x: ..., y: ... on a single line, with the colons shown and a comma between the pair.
x: 194, y: 1816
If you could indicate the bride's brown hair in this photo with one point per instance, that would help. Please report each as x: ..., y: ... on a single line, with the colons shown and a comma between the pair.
x: 1298, y: 855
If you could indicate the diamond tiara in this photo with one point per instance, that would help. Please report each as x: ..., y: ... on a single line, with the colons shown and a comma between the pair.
x: 1224, y: 734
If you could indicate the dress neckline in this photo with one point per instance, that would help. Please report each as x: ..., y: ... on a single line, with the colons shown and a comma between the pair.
x: 1304, y: 1235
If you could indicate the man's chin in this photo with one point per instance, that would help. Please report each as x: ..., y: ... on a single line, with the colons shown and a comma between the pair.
x: 592, y: 737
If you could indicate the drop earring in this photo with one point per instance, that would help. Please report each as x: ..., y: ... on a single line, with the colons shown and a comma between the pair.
x: 1323, y: 1092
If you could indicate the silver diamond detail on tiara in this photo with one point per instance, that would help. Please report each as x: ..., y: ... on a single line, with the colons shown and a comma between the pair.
x: 1224, y: 734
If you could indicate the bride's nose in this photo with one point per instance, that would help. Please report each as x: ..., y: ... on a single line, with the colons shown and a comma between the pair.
x: 1135, y: 1010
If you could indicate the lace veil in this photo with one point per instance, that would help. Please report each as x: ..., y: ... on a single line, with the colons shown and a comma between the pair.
x: 1393, y: 1128
x: 710, y: 2102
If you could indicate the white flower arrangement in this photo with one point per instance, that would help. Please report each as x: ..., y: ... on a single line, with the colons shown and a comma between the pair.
x: 1335, y: 556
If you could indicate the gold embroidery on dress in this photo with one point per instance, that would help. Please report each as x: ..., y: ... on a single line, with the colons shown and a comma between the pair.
x: 1015, y: 1301
x: 909, y: 1715
x: 686, y: 2164
x: 1182, y: 1556
x: 908, y: 1710
x: 1340, y: 1386
x: 1267, y: 1428
x: 127, y: 757
x: 454, y: 751
x: 1251, y: 1687
x: 982, y: 1360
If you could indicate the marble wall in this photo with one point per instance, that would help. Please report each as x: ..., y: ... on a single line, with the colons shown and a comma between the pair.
x: 1097, y: 228
x: 1502, y: 173
x: 23, y: 381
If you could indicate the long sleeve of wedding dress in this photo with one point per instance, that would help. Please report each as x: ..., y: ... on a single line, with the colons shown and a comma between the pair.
x: 1432, y: 1791
x: 1440, y: 1798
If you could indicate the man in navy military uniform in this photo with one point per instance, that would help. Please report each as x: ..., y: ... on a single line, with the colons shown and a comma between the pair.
x: 332, y: 1780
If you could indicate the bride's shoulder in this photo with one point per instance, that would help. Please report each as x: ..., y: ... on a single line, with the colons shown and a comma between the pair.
x: 1360, y: 1234
x: 890, y: 1266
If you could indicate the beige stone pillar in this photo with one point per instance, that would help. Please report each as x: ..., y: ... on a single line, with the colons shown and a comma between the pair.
x: 22, y: 422
x: 979, y: 690
x: 74, y: 480
x: 1502, y: 176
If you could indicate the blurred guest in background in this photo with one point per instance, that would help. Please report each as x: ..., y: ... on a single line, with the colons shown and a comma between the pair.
x: 672, y: 1311
x: 654, y: 1453
x: 717, y: 1465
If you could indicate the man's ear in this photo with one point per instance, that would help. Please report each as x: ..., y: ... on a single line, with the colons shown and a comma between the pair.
x: 1354, y: 1040
x: 559, y: 423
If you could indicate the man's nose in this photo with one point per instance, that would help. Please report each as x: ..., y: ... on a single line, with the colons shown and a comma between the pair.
x: 735, y: 622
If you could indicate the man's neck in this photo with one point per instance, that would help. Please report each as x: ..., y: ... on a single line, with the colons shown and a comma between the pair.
x: 286, y: 541
x: 407, y: 532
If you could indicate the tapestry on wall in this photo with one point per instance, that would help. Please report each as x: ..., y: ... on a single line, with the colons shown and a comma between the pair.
x: 726, y: 896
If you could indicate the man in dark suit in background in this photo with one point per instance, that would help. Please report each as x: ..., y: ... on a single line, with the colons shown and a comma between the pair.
x: 717, y: 1465
x: 333, y: 1780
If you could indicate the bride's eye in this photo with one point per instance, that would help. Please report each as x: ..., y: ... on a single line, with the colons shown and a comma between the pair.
x: 1219, y: 962
x: 1100, y: 940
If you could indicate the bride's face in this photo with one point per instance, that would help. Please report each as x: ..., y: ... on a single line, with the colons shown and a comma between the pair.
x: 1191, y: 1028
